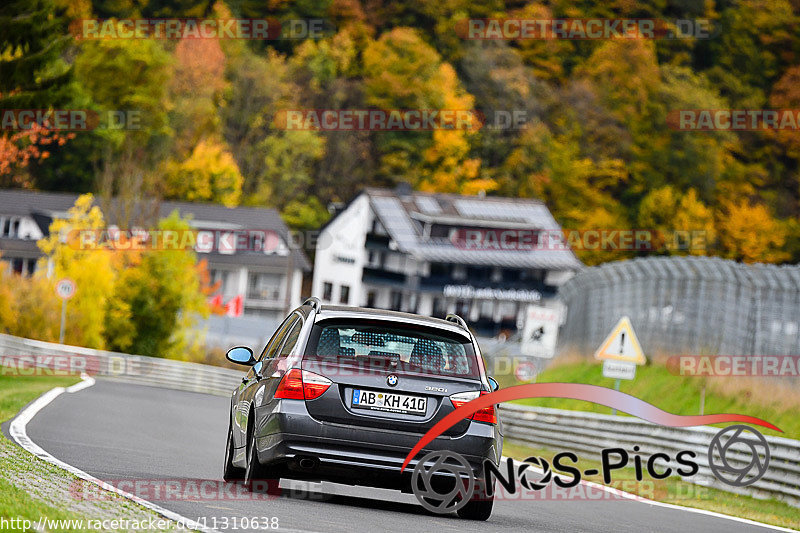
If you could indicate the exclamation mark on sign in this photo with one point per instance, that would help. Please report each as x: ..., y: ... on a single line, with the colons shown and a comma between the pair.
x: 621, y: 342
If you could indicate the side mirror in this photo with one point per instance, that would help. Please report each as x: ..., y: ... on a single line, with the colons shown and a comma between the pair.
x: 493, y: 384
x: 241, y: 355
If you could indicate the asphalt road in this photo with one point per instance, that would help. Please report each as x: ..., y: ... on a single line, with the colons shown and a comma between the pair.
x: 119, y: 432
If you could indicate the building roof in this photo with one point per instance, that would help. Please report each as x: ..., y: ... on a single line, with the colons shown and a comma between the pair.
x: 204, y: 215
x: 405, y: 213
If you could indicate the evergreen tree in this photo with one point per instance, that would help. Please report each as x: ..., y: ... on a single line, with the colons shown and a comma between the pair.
x: 32, y: 72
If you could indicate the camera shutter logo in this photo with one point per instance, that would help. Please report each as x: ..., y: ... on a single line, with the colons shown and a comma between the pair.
x: 738, y: 455
x: 445, y: 464
x: 540, y: 463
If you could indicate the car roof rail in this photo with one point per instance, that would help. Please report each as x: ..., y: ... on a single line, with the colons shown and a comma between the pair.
x: 314, y: 302
x: 452, y: 317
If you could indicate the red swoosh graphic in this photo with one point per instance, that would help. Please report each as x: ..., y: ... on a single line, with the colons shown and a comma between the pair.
x: 577, y: 391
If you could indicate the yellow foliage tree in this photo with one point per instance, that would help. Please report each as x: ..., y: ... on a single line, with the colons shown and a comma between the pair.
x: 210, y: 174
x: 403, y: 72
x: 8, y: 319
x: 91, y: 270
x: 748, y: 232
x: 35, y: 308
x: 682, y: 221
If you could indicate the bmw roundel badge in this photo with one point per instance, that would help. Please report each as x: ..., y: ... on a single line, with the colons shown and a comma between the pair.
x: 391, y: 380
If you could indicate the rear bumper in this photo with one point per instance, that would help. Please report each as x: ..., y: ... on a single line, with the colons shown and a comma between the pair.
x: 287, y: 433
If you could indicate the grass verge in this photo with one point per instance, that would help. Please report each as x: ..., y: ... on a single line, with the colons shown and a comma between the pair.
x: 681, y: 395
x: 32, y: 489
x: 15, y: 393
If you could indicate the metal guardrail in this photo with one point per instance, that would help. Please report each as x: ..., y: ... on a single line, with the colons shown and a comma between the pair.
x: 537, y: 426
x: 140, y: 369
x: 590, y: 433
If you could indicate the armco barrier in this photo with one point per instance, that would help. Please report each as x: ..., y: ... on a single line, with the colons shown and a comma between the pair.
x: 557, y: 430
x: 587, y: 434
x: 132, y: 368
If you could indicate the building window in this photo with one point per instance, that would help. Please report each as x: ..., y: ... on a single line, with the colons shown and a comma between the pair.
x: 327, y: 291
x: 371, y: 299
x: 396, y: 300
x: 10, y: 227
x: 256, y: 242
x: 344, y: 294
x: 261, y: 286
x: 438, y: 308
x: 222, y: 277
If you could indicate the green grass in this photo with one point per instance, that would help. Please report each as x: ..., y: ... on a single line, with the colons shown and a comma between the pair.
x: 675, y: 491
x: 15, y: 393
x: 16, y: 503
x: 675, y: 394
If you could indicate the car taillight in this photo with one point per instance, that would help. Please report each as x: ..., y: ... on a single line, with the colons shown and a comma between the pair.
x: 301, y: 385
x: 486, y: 414
x: 291, y: 385
x: 463, y: 397
x: 314, y: 385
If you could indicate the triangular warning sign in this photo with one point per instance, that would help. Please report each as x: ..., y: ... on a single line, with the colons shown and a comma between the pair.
x: 621, y: 345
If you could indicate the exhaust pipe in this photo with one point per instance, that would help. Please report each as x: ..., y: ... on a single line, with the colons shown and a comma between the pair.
x: 308, y: 463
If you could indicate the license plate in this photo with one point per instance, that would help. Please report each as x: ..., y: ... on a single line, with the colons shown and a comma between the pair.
x: 389, y: 401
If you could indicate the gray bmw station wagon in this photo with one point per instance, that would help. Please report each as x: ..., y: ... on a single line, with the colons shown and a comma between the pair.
x: 343, y: 394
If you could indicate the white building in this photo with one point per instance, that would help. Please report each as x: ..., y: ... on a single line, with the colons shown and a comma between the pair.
x: 406, y: 250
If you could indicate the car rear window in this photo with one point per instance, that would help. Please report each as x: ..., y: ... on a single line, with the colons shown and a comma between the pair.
x: 376, y: 345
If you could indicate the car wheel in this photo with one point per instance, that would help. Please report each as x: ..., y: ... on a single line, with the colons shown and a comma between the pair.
x: 477, y: 508
x: 256, y: 476
x: 231, y: 472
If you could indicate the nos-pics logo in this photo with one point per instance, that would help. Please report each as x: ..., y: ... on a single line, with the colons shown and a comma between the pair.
x: 444, y: 481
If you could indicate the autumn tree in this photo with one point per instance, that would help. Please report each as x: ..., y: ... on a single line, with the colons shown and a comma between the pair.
x: 402, y: 72
x: 91, y: 270
x: 209, y: 174
x: 681, y: 222
x: 33, y: 75
x: 162, y: 296
x: 748, y: 232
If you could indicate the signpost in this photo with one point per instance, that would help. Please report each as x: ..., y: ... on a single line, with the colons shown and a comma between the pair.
x: 525, y: 371
x: 65, y: 289
x: 540, y: 331
x: 620, y: 353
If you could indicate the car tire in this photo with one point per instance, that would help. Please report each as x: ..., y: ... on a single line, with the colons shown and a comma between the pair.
x: 231, y: 472
x: 477, y: 509
x: 256, y: 476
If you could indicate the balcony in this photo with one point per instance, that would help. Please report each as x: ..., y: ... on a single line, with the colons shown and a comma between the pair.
x: 377, y: 242
x: 378, y: 276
